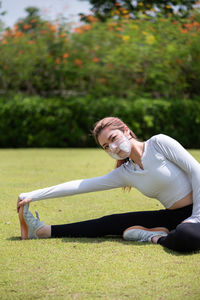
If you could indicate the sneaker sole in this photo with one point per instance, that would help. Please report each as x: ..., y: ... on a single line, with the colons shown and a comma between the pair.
x: 23, y: 226
x: 147, y: 229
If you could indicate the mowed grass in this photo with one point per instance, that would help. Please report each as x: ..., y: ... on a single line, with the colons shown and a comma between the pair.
x: 80, y: 268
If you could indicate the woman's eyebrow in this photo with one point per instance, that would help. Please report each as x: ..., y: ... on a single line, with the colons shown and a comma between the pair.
x: 109, y: 138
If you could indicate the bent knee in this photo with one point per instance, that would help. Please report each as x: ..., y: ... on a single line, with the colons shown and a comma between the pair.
x: 188, y: 236
x: 188, y: 229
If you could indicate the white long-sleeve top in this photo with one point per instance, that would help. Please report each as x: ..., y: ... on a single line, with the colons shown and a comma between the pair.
x: 170, y: 173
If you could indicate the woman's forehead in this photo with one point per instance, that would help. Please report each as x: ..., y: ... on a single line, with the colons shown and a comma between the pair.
x: 106, y: 133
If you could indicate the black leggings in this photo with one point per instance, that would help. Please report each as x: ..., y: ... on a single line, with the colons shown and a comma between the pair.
x: 183, y: 237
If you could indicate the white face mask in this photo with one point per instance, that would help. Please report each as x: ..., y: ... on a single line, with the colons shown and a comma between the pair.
x: 123, y: 145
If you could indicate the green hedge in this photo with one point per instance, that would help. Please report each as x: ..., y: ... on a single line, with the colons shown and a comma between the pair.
x: 43, y: 122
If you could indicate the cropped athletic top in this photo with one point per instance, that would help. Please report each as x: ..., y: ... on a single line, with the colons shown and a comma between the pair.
x: 170, y: 173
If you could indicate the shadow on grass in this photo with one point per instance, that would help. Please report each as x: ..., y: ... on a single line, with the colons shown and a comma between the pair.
x: 120, y: 240
x: 179, y: 253
x: 14, y: 238
x: 108, y: 239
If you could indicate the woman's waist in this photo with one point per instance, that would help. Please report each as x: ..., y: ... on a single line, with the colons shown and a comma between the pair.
x: 185, y: 201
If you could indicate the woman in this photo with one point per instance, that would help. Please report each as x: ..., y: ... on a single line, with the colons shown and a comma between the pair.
x: 160, y: 168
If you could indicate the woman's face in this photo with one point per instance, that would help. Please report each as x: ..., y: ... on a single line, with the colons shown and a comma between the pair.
x: 115, y: 142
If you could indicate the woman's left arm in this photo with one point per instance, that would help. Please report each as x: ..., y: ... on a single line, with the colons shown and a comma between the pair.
x: 175, y: 152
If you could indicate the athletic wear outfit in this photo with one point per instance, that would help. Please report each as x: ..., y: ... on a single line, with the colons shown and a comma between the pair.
x: 170, y: 173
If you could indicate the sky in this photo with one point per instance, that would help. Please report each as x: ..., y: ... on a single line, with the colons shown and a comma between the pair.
x: 50, y: 9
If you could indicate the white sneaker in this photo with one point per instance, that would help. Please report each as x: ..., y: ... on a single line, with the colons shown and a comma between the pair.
x: 142, y: 234
x: 28, y: 224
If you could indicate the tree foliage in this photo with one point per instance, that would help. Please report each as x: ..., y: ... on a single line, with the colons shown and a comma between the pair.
x: 104, y: 9
x: 32, y: 22
x: 2, y: 13
x: 123, y: 57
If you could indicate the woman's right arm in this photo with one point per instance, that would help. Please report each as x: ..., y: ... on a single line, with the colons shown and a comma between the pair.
x: 111, y: 180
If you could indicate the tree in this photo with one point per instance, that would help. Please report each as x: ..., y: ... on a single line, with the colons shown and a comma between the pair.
x: 32, y: 22
x: 104, y: 9
x: 2, y: 13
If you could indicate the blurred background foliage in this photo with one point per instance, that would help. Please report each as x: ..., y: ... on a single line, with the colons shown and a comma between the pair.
x: 140, y: 63
x: 104, y: 9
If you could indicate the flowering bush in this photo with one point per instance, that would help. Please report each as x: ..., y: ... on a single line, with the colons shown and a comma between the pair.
x: 157, y: 57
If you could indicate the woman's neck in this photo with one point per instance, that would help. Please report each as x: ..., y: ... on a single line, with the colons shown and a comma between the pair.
x: 137, y: 150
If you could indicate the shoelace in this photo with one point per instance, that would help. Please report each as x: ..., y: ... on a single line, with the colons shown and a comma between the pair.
x: 37, y: 215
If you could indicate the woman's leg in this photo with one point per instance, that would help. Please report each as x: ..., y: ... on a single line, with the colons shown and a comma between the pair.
x: 185, y: 238
x: 115, y: 224
x: 44, y: 232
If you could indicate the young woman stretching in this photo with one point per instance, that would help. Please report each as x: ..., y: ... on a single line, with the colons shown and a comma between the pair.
x: 160, y: 168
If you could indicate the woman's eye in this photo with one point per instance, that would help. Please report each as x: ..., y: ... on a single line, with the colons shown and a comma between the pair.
x: 106, y: 148
x: 113, y: 138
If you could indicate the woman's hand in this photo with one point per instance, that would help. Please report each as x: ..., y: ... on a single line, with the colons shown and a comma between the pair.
x: 22, y: 202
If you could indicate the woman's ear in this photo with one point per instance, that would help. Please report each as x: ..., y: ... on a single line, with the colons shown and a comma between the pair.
x: 126, y: 131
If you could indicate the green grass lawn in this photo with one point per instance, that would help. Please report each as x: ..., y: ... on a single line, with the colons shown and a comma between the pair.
x: 69, y: 268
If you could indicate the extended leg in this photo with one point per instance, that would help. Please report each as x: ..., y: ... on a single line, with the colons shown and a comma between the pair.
x: 117, y: 223
x: 109, y: 225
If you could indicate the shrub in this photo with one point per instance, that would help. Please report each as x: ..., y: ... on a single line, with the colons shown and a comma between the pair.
x: 53, y: 122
